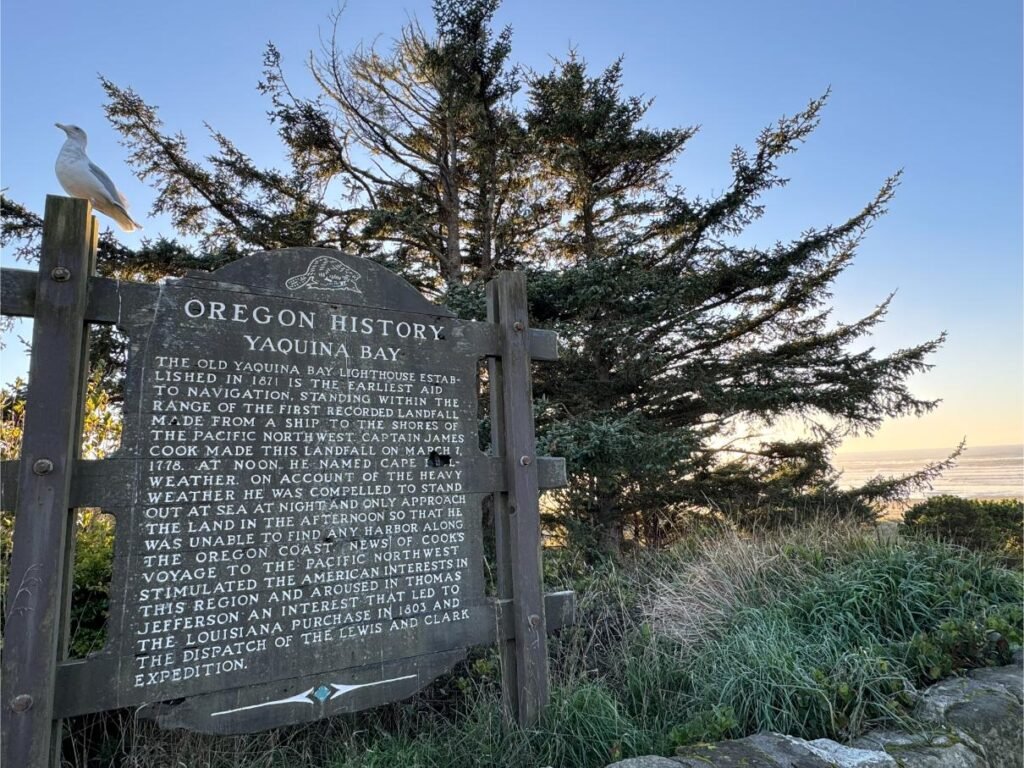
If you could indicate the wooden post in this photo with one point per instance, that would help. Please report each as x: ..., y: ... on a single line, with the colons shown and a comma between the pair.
x: 506, y: 646
x: 517, y: 519
x: 35, y: 603
x: 67, y: 588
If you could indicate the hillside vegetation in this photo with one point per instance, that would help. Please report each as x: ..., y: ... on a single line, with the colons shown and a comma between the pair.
x: 820, y: 631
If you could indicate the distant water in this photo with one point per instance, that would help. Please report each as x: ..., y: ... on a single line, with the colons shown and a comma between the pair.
x: 984, y: 472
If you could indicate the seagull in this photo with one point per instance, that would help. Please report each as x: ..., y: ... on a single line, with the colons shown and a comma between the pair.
x: 80, y: 177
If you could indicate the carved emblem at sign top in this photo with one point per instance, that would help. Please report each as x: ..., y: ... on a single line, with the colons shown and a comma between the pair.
x: 325, y: 273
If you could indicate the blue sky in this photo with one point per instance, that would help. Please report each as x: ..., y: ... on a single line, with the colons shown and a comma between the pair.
x: 933, y: 88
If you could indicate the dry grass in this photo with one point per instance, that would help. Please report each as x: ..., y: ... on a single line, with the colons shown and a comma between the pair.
x: 706, y: 585
x: 824, y: 630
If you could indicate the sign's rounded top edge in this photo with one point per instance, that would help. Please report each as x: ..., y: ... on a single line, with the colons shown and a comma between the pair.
x: 328, y: 275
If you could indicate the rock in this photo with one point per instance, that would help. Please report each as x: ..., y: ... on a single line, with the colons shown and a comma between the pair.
x: 933, y: 703
x: 850, y: 757
x: 1007, y: 678
x: 730, y: 754
x: 772, y: 750
x: 789, y: 750
x: 983, y: 714
x: 993, y: 721
x: 923, y: 750
x: 786, y: 750
x: 650, y: 761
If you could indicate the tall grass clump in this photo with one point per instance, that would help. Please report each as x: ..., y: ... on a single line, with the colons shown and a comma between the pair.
x: 825, y: 633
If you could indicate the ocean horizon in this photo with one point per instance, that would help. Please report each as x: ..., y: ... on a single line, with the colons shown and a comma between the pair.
x: 981, y: 472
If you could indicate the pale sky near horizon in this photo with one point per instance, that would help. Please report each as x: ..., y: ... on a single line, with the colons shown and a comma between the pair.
x: 934, y: 88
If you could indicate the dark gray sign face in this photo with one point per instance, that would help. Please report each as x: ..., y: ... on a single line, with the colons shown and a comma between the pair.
x: 301, y: 427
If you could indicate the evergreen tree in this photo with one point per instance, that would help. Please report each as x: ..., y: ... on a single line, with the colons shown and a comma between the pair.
x: 229, y: 203
x: 433, y: 148
x: 608, y: 166
x: 674, y: 336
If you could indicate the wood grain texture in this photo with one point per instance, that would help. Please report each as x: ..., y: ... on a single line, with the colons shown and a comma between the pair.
x: 524, y: 543
x: 503, y: 547
x: 115, y: 301
x: 37, y: 578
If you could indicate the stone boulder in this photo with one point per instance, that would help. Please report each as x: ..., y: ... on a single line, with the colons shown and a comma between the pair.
x: 975, y: 721
x: 983, y: 711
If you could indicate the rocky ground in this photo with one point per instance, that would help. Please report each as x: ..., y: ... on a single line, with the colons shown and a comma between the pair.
x: 969, y: 722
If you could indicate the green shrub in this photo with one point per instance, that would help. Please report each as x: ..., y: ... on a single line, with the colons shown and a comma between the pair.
x: 715, y: 724
x: 994, y: 526
x: 850, y: 628
x: 90, y: 596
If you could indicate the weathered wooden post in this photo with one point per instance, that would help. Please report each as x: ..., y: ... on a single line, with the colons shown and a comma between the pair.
x: 37, y: 594
x: 517, y: 512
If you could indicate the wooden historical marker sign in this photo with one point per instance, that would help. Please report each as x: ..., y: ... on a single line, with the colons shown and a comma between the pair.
x: 298, y: 498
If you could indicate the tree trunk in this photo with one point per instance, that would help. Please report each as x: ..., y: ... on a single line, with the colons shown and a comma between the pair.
x: 451, y: 266
x: 609, y: 521
x: 589, y: 235
x: 486, y: 224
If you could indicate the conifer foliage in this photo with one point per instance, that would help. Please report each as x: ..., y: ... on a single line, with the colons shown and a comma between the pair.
x: 441, y: 158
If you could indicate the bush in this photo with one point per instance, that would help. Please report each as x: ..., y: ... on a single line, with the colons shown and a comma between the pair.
x: 93, y: 569
x: 993, y: 526
x: 90, y: 598
x: 817, y: 635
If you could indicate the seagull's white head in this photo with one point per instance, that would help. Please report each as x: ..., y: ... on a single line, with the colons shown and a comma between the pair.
x: 74, y: 133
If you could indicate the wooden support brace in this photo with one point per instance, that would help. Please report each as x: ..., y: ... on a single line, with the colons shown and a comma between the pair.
x: 35, y: 602
x: 517, y: 513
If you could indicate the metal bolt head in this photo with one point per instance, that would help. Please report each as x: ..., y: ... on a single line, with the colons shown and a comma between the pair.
x: 60, y: 274
x: 21, y: 703
x: 518, y: 325
x: 42, y: 466
x: 526, y: 461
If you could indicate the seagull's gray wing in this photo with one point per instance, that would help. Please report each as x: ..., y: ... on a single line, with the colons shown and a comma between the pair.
x: 108, y: 185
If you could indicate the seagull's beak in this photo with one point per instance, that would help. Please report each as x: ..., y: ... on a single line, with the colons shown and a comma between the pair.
x: 62, y: 127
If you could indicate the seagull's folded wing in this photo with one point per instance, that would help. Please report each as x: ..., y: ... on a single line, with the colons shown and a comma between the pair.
x: 108, y: 186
